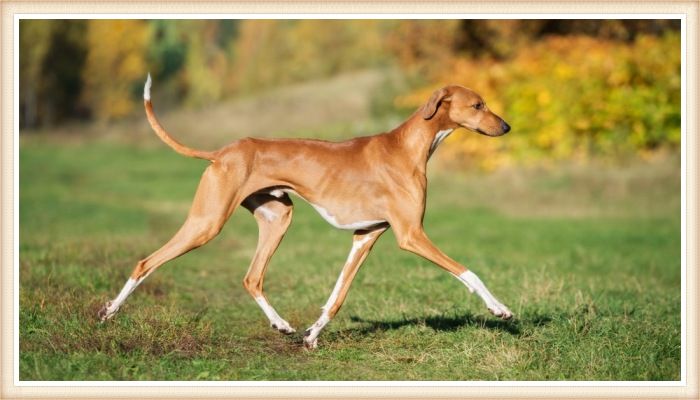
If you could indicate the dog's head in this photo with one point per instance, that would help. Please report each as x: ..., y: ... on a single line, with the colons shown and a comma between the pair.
x: 464, y: 107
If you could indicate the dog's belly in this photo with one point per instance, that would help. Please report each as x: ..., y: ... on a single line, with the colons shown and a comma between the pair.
x: 346, y: 222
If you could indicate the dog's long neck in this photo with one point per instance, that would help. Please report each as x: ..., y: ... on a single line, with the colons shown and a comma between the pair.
x: 420, y: 137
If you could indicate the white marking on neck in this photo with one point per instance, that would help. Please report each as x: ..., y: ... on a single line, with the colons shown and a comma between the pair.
x: 439, y: 137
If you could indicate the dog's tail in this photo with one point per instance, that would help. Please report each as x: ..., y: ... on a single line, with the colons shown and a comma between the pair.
x: 164, y: 135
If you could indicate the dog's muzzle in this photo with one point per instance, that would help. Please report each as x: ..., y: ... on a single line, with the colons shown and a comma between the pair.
x: 505, y: 127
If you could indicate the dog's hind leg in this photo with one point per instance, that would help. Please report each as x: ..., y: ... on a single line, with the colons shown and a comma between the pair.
x: 273, y: 216
x: 214, y: 201
x: 362, y: 243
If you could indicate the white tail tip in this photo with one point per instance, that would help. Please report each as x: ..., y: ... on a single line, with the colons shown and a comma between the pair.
x: 147, y: 89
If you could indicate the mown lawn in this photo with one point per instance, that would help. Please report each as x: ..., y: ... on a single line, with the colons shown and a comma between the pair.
x: 588, y: 258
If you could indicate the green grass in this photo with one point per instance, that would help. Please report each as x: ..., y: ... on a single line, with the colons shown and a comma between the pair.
x: 588, y: 258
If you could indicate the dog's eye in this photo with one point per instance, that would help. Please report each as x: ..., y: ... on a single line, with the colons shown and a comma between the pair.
x: 478, y: 106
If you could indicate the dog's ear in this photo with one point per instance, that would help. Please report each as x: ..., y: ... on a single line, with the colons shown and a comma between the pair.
x: 431, y: 107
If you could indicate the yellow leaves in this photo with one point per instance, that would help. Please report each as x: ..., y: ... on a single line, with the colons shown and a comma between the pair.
x: 423, y: 45
x: 570, y: 98
x: 544, y: 98
x: 115, y: 63
x: 277, y: 52
x: 564, y: 71
x: 206, y: 66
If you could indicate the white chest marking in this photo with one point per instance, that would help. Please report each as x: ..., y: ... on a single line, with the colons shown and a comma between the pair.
x: 439, y: 137
x: 330, y: 218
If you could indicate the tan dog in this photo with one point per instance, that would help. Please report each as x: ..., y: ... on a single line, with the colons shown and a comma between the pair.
x: 366, y: 184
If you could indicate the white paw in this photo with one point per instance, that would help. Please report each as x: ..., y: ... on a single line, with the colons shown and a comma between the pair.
x: 311, y: 337
x: 107, y: 312
x: 283, y: 326
x: 501, y: 311
x: 310, y: 344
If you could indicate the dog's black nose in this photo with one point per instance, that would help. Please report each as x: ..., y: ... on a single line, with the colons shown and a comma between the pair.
x: 505, y: 127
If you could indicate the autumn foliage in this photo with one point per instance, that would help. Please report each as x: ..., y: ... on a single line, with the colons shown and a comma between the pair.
x: 569, y: 89
x: 572, y: 97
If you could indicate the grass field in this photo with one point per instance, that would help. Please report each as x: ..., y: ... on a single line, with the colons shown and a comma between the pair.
x: 588, y: 258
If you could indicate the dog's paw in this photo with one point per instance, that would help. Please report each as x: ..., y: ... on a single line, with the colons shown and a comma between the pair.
x: 501, y: 312
x: 106, y: 312
x: 310, y: 342
x: 283, y: 327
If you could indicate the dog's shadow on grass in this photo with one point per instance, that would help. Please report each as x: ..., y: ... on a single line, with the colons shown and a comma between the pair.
x: 451, y: 323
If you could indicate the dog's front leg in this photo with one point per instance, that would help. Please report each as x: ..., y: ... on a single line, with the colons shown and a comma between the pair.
x: 416, y: 241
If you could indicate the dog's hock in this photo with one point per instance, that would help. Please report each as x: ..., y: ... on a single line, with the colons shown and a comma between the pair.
x: 147, y: 89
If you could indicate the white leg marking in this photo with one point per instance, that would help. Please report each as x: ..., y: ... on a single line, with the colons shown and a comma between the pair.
x: 113, y: 306
x: 474, y: 284
x: 267, y: 213
x: 275, y: 320
x: 311, y: 335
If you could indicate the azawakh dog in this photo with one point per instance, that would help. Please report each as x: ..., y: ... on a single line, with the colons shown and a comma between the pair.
x: 366, y: 185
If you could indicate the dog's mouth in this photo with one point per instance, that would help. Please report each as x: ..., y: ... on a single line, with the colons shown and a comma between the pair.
x: 477, y: 130
x: 499, y: 128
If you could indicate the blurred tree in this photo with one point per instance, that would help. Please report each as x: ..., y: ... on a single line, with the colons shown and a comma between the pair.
x: 167, y: 49
x: 495, y: 38
x: 34, y: 38
x: 115, y: 66
x: 52, y: 53
x: 423, y: 46
x: 250, y: 52
x: 503, y: 38
x: 628, y: 98
x: 274, y: 52
x: 206, y: 63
